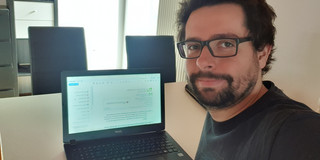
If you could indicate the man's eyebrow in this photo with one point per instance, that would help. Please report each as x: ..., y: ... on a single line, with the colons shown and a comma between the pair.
x: 216, y: 36
x: 224, y: 35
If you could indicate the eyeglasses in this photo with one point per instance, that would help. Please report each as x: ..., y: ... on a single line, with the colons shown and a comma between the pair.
x: 221, y: 47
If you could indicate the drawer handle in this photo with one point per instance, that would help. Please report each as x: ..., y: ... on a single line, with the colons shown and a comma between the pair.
x: 4, y: 40
x: 4, y: 90
x: 32, y: 12
x: 5, y: 65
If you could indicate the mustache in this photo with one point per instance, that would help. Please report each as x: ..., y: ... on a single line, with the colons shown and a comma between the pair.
x: 200, y: 74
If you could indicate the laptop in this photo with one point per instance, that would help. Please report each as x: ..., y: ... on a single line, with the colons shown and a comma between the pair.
x: 116, y: 114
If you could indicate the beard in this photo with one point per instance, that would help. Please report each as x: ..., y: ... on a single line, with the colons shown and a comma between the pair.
x: 229, y: 96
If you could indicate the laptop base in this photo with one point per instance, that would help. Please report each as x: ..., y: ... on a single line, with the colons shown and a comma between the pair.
x: 140, y: 147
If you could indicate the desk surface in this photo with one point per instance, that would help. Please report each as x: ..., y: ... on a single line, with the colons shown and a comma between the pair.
x: 31, y: 127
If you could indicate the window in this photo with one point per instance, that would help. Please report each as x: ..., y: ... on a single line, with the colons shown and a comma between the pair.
x: 106, y: 23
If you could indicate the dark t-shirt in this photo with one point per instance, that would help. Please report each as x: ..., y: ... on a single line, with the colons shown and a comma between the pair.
x: 274, y: 128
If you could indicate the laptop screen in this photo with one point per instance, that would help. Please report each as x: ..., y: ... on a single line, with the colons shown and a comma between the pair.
x: 101, y: 102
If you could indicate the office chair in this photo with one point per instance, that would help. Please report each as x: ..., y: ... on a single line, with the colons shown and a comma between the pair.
x: 152, y: 52
x: 53, y: 50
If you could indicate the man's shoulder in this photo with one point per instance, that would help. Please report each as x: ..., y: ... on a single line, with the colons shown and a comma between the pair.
x: 276, y: 100
x: 283, y: 110
x: 289, y: 130
x: 292, y: 126
x: 298, y: 137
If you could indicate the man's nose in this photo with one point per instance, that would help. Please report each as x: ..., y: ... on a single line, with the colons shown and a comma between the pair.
x: 206, y: 61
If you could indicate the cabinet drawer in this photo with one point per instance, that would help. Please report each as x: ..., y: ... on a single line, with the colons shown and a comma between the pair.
x: 6, y: 93
x: 5, y: 53
x: 22, y: 27
x: 6, y: 78
x: 33, y: 10
x: 4, y: 25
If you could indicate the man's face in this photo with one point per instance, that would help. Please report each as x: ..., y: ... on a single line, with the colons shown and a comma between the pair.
x: 221, y: 82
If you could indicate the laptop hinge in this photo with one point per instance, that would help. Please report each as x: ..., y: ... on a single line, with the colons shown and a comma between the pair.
x: 73, y: 142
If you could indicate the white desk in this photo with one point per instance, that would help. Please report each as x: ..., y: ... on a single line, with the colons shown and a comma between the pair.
x: 31, y: 127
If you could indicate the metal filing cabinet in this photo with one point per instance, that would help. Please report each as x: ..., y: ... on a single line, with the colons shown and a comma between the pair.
x: 8, y: 71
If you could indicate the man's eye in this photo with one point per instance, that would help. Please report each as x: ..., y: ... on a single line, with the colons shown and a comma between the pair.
x: 227, y: 44
x: 193, y: 47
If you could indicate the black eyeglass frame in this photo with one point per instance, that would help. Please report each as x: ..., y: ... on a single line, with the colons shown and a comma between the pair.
x: 206, y: 43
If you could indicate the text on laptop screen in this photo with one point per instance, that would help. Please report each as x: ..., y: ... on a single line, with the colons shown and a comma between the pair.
x: 113, y: 101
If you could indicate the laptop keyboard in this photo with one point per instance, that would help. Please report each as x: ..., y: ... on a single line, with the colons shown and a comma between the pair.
x: 126, y: 149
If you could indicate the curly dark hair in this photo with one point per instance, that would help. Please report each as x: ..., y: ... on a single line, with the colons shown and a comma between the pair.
x: 259, y: 21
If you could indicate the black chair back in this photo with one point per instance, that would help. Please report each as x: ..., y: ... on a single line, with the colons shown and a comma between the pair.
x: 53, y: 50
x: 152, y: 52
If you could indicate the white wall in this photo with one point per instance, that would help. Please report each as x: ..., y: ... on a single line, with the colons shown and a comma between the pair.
x: 297, y: 68
x: 3, y: 2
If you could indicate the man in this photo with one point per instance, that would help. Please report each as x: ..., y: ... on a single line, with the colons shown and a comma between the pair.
x: 228, y: 46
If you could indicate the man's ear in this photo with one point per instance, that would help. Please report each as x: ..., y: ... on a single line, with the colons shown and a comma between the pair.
x: 264, y: 55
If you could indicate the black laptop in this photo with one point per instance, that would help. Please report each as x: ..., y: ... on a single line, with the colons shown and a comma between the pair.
x: 117, y: 115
